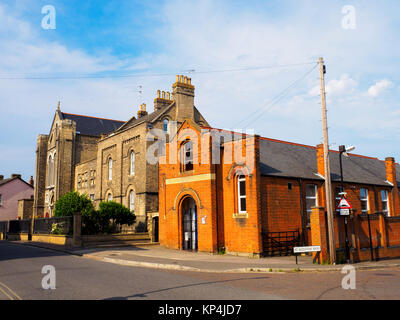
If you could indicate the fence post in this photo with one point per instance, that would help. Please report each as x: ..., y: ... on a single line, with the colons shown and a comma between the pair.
x: 319, y: 234
x: 382, y: 230
x: 77, y: 238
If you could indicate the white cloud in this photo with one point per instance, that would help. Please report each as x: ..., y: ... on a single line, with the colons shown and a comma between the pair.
x: 344, y: 85
x: 205, y: 36
x: 380, y: 87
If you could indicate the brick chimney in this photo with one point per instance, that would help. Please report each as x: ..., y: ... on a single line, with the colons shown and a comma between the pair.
x: 390, y: 166
x: 142, y: 111
x: 390, y: 170
x: 320, y: 160
x: 183, y: 92
x: 31, y: 181
x: 163, y: 99
x: 1, y: 177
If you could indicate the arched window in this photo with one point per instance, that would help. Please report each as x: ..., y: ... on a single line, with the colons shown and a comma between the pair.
x: 187, y: 156
x: 132, y: 163
x: 110, y: 163
x: 53, y: 175
x: 131, y: 200
x: 109, y: 197
x: 241, y: 193
x: 165, y: 125
x: 49, y: 171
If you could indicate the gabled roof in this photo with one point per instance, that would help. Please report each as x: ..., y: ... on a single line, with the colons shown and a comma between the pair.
x: 287, y: 160
x: 5, y: 181
x: 133, y: 122
x: 92, y: 125
x: 284, y: 159
x: 292, y: 160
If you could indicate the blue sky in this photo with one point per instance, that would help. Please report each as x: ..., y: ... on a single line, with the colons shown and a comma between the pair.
x: 150, y: 37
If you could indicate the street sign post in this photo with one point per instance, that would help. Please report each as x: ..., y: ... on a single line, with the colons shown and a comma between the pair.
x: 344, y: 210
x: 297, y: 250
x: 344, y: 206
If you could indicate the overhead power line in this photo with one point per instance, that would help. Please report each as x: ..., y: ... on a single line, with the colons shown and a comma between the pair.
x: 134, y: 75
x: 257, y: 115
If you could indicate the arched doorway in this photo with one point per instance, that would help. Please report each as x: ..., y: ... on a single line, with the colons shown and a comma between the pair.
x: 189, y: 224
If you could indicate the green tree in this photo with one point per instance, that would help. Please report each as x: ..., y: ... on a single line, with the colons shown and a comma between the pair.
x: 116, y: 212
x: 73, y: 202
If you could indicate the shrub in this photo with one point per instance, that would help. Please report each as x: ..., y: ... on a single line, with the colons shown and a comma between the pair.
x: 116, y: 212
x: 71, y: 203
x: 107, y: 219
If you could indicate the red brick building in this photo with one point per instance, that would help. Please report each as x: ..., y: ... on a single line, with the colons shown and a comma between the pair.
x: 262, y: 186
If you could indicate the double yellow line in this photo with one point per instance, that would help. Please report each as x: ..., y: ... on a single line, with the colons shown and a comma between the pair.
x: 10, y: 294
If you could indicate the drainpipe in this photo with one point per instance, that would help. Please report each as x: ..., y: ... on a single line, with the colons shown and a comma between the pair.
x: 216, y: 193
x: 302, y: 210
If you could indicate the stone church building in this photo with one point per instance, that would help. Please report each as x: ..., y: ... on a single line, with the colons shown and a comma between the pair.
x: 106, y: 159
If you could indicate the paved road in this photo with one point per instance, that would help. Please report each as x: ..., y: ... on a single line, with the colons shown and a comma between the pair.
x: 81, y: 278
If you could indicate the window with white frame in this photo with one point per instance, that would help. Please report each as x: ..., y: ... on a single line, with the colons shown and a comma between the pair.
x: 385, y: 202
x: 109, y: 197
x: 364, y: 201
x: 241, y: 193
x: 110, y: 165
x: 132, y: 171
x: 311, y: 199
x: 131, y: 200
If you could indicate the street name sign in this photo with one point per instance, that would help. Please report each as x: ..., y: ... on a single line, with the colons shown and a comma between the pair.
x: 306, y: 249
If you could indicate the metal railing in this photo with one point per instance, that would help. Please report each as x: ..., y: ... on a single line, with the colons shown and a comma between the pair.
x: 55, y: 225
x: 281, y: 243
x: 19, y: 226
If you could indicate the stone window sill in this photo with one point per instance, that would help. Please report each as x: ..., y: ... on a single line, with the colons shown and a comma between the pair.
x: 240, y: 215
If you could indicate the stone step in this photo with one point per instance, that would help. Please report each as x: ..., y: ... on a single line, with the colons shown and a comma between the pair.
x: 117, y: 244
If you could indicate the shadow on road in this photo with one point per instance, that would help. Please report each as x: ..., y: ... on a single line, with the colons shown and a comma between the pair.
x: 10, y: 251
x: 145, y: 294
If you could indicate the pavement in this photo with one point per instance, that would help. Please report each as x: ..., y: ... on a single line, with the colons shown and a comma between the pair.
x: 156, y: 256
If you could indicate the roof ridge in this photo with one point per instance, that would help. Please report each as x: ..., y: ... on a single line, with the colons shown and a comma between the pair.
x: 294, y: 143
x: 81, y: 115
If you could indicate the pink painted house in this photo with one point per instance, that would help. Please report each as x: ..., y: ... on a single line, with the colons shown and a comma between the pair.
x: 12, y: 190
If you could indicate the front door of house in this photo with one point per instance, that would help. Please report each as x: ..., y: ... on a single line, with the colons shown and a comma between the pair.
x: 189, y: 236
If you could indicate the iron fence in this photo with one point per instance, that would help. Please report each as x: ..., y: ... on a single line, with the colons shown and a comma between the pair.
x: 19, y: 226
x: 280, y: 242
x: 3, y: 228
x: 55, y: 225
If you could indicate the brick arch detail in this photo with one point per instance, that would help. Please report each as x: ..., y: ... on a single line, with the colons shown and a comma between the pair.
x: 233, y: 168
x: 185, y: 192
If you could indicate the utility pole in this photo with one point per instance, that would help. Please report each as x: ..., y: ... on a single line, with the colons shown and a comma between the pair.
x: 328, y: 184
